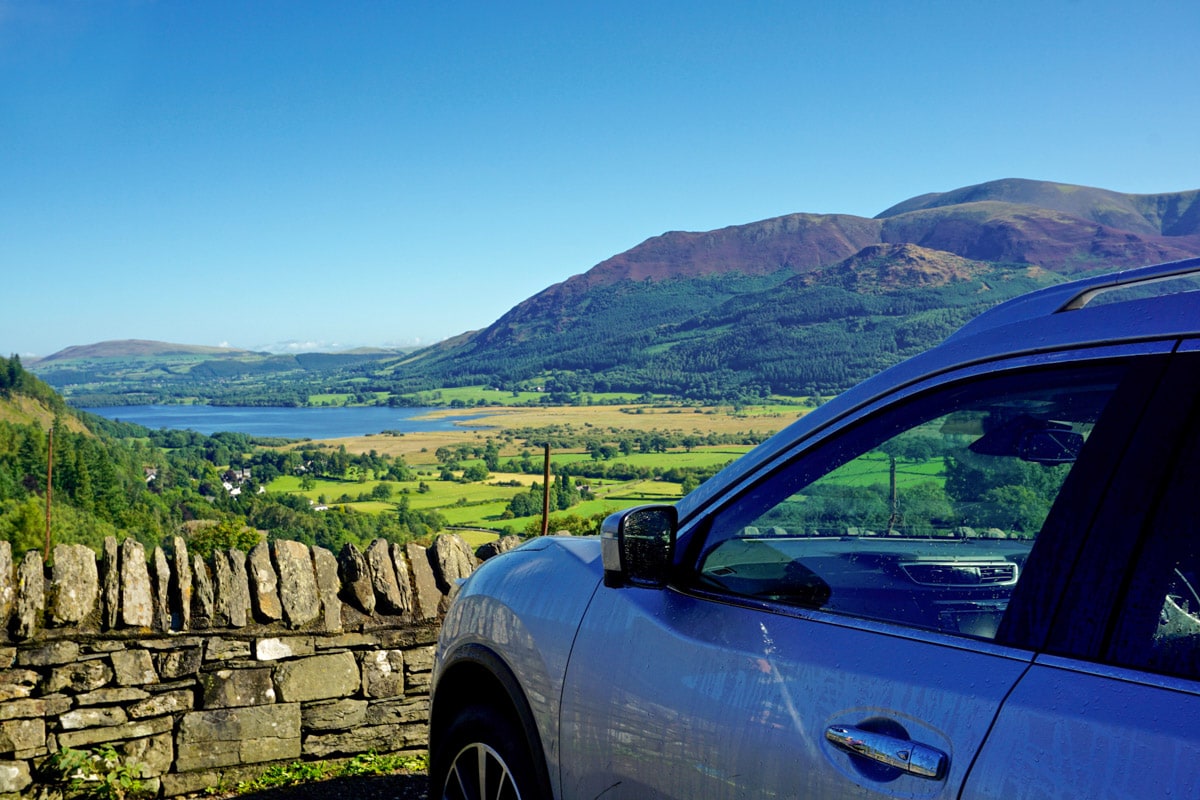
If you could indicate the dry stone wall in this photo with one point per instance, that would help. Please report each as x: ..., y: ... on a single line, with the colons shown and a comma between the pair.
x: 204, y: 672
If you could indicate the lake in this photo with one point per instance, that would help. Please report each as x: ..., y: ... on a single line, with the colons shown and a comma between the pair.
x: 290, y: 423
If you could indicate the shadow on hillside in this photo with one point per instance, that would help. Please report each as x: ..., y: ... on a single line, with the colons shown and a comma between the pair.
x: 375, y: 787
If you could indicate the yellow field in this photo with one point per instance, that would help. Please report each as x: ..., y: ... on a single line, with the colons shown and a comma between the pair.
x: 418, y: 448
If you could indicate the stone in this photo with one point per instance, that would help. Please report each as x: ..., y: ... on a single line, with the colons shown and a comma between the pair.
x: 264, y: 584
x: 181, y: 586
x: 318, y: 678
x: 162, y: 590
x: 388, y: 599
x: 49, y: 655
x: 110, y: 583
x: 232, y: 589
x: 328, y: 585
x: 384, y: 738
x: 134, y: 668
x: 92, y: 718
x: 453, y: 561
x: 153, y: 753
x: 23, y: 709
x: 383, y: 673
x: 426, y: 595
x: 275, y: 648
x: 14, y: 775
x: 8, y: 657
x: 74, y: 584
x: 57, y: 704
x: 84, y: 676
x: 395, y: 712
x: 115, y: 733
x: 418, y: 682
x: 497, y: 546
x: 101, y: 697
x: 224, y: 737
x: 22, y: 734
x: 419, y: 667
x: 403, y: 577
x: 349, y: 640
x: 180, y: 663
x: 297, y: 583
x: 204, y: 598
x: 8, y: 587
x: 31, y: 597
x: 165, y: 703
x: 231, y: 688
x: 17, y: 683
x: 226, y: 649
x: 137, y: 605
x: 357, y: 589
x: 339, y: 715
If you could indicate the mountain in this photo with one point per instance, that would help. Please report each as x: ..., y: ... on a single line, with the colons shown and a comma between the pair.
x: 1176, y: 214
x: 800, y: 303
x: 138, y: 348
x: 136, y: 371
x: 697, y: 313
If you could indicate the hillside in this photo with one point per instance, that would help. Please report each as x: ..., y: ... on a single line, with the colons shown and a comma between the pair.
x: 116, y: 479
x: 135, y: 371
x: 654, y: 318
x: 138, y: 348
x: 793, y: 303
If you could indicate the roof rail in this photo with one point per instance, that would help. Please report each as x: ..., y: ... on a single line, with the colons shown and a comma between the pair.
x: 1074, y: 295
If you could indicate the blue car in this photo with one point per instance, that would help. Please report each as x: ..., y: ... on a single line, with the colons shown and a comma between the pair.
x: 975, y: 575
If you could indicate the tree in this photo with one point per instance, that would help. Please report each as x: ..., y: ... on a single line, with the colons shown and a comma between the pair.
x: 228, y: 534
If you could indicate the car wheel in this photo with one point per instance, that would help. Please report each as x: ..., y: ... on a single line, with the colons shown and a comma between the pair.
x: 485, y: 756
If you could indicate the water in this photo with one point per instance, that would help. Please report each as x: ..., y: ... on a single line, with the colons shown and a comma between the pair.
x: 290, y: 423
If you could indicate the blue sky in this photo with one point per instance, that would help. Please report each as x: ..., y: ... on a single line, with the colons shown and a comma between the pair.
x: 318, y: 175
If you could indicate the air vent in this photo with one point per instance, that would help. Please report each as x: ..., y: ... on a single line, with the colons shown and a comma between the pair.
x: 961, y: 573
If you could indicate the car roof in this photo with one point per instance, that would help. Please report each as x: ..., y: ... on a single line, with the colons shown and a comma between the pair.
x: 1066, y: 316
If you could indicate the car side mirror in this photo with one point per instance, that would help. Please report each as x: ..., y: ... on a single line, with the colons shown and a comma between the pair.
x: 637, y: 546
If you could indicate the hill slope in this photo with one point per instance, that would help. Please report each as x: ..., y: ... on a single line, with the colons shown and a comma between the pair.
x: 660, y: 315
x: 793, y: 303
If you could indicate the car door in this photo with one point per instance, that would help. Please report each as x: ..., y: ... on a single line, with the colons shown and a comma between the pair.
x: 834, y: 630
x: 1113, y: 709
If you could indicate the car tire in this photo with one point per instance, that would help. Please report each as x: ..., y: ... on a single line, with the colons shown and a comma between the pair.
x: 485, y: 755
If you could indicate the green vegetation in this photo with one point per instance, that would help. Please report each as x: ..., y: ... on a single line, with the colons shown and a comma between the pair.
x: 297, y: 772
x: 233, y: 491
x: 102, y: 773
x: 114, y: 479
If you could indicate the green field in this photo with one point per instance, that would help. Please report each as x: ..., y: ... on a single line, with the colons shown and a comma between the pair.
x: 483, y: 504
x: 872, y: 469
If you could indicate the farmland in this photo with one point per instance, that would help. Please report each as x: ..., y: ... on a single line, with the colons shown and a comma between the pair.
x: 516, y: 434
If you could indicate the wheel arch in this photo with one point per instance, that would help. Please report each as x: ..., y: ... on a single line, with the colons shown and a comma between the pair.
x: 475, y: 675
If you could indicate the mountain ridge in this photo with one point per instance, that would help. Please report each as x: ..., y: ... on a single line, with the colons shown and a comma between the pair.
x: 659, y: 316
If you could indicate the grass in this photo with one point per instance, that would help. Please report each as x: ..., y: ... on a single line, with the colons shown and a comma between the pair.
x: 297, y: 772
x: 872, y: 469
x: 483, y: 504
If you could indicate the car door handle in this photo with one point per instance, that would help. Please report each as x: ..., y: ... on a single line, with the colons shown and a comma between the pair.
x: 912, y: 757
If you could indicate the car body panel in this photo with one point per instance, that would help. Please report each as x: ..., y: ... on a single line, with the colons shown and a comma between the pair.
x: 524, y: 607
x: 1074, y: 730
x: 669, y: 695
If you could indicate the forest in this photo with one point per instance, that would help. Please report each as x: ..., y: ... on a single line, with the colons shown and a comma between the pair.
x: 116, y: 479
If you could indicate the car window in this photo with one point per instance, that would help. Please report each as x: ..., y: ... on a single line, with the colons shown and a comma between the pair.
x: 923, y: 515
